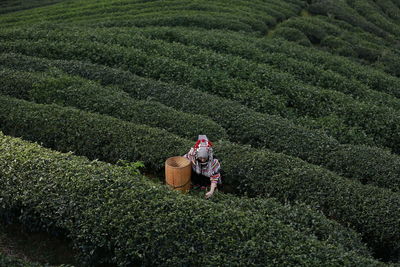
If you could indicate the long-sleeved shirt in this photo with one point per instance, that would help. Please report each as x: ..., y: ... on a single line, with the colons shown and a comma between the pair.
x: 209, y: 169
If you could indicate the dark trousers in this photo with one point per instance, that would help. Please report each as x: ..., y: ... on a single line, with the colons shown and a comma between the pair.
x: 198, y: 179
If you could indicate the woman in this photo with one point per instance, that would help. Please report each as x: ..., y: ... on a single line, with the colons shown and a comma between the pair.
x: 204, y: 164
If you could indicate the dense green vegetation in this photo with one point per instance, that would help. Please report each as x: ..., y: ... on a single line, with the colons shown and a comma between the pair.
x: 15, y: 262
x: 114, y: 217
x: 74, y: 91
x: 261, y: 173
x: 264, y: 90
x: 301, y: 99
x: 7, y: 6
x: 367, y: 164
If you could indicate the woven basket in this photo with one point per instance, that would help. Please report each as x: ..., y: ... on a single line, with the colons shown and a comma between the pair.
x: 178, y: 172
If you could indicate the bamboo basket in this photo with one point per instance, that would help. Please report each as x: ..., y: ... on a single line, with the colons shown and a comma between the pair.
x: 178, y: 172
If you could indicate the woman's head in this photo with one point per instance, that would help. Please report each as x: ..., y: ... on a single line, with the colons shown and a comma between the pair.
x: 202, y: 154
x: 204, y: 150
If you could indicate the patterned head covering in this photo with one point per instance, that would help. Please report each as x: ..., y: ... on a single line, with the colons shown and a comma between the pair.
x: 203, y: 149
x: 202, y: 152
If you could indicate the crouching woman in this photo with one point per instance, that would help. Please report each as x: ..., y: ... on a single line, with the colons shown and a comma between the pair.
x: 204, y: 165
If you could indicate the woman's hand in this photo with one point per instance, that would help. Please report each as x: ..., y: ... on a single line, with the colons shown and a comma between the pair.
x: 211, y: 192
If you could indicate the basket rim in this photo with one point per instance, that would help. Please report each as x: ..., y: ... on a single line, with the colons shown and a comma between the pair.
x: 175, y: 157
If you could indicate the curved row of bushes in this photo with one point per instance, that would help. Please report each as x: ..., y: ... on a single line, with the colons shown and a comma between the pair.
x: 354, y: 44
x: 390, y: 9
x: 6, y: 260
x: 152, y: 66
x: 369, y: 11
x: 315, y: 32
x: 41, y: 14
x: 299, y: 216
x: 367, y: 164
x: 13, y: 6
x: 59, y: 88
x: 307, y: 72
x: 235, y: 44
x: 114, y: 217
x: 209, y: 20
x: 239, y: 15
x: 372, y: 211
x: 376, y: 79
x: 300, y: 100
x: 342, y: 11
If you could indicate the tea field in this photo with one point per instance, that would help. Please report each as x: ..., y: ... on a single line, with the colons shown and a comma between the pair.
x: 300, y: 98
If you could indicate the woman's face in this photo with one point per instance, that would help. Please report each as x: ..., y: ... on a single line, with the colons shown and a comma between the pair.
x: 202, y: 160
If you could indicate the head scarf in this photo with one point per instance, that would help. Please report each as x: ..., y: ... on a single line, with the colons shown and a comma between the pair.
x: 203, y: 148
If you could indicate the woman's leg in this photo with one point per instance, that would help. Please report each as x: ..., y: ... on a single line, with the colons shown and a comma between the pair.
x: 201, y: 180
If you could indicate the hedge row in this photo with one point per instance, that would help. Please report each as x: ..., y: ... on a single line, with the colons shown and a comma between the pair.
x: 370, y: 12
x: 66, y: 90
x: 390, y: 9
x: 352, y: 46
x: 248, y: 70
x: 315, y: 32
x: 9, y: 261
x: 92, y: 135
x: 248, y: 17
x: 300, y: 100
x: 372, y: 211
x: 156, y: 67
x: 376, y: 79
x: 206, y: 59
x: 238, y: 15
x: 356, y: 45
x: 309, y: 73
x: 209, y: 20
x: 8, y: 6
x: 299, y: 216
x: 242, y: 124
x: 80, y: 7
x: 303, y: 70
x: 342, y: 11
x: 113, y: 217
x: 292, y: 35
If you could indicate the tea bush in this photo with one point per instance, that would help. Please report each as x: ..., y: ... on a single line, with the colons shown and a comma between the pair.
x: 301, y: 100
x: 242, y: 124
x: 251, y: 172
x: 113, y: 217
x: 66, y: 90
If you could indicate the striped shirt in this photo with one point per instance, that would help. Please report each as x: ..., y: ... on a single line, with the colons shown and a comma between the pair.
x: 209, y: 170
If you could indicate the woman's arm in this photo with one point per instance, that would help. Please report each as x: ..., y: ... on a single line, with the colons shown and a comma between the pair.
x: 190, y: 155
x: 211, y: 192
x: 214, y: 178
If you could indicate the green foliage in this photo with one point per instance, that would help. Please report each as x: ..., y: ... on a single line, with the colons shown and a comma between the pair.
x: 11, y: 261
x: 256, y: 16
x: 272, y: 132
x: 256, y: 85
x: 8, y: 6
x: 339, y: 9
x: 291, y: 95
x: 259, y: 172
x: 56, y: 87
x: 291, y: 34
x: 114, y: 217
x: 338, y: 45
x: 132, y: 167
x: 371, y: 13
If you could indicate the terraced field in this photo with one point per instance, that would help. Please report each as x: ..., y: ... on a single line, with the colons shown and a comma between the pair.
x: 301, y: 99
